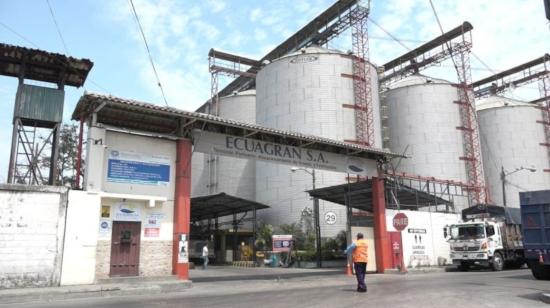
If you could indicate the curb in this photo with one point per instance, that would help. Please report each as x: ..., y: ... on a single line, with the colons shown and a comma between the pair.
x: 268, y: 276
x: 545, y: 297
x: 90, y: 291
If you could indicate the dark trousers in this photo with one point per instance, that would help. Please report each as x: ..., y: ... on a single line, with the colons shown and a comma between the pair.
x: 360, y: 271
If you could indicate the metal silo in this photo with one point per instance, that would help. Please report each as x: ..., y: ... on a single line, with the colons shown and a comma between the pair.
x: 422, y: 121
x: 307, y: 92
x: 510, y: 139
x: 215, y: 174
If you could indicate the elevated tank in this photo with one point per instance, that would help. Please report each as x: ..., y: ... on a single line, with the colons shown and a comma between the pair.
x: 306, y: 92
x: 510, y: 138
x: 215, y: 174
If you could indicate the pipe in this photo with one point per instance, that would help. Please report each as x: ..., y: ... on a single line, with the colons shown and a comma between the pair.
x: 79, y: 153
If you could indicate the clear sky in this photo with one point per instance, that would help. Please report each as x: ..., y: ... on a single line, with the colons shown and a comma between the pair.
x: 180, y: 33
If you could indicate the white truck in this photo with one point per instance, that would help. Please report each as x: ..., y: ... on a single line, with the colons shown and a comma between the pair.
x: 489, y: 235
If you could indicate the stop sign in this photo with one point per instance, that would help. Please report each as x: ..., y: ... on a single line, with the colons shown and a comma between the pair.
x: 400, y: 221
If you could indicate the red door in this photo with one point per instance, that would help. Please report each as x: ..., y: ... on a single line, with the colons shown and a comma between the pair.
x: 125, y: 248
x: 396, y: 249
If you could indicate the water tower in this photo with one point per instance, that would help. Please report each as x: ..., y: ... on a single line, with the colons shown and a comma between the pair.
x: 38, y: 108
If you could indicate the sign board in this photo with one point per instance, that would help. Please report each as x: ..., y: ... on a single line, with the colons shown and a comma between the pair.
x: 183, y: 249
x: 127, y: 212
x: 400, y: 221
x: 105, y: 227
x: 137, y: 168
x: 282, y: 243
x: 240, y: 147
x: 152, y: 220
x: 330, y: 218
x: 151, y: 232
x: 416, y: 230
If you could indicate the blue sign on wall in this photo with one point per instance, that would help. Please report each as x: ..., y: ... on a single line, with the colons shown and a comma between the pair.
x: 124, y: 167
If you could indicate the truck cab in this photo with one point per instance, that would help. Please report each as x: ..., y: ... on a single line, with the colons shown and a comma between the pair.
x: 486, y: 237
x: 475, y: 243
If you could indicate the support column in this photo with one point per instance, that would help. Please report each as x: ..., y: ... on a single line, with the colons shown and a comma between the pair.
x: 381, y: 239
x: 182, y: 205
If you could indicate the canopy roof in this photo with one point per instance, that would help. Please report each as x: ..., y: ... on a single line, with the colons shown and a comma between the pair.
x: 35, y: 64
x: 136, y: 115
x: 359, y: 196
x: 222, y: 204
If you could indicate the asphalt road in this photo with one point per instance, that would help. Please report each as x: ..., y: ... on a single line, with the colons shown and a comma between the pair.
x: 444, y: 289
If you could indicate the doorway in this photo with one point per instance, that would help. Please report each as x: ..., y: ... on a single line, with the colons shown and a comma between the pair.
x: 396, y: 249
x: 125, y: 248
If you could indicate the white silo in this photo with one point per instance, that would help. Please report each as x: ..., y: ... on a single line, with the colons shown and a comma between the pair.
x: 510, y: 138
x: 214, y: 174
x: 306, y: 92
x: 422, y: 118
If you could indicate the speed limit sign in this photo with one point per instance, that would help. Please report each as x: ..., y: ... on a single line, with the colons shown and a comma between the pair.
x: 330, y: 218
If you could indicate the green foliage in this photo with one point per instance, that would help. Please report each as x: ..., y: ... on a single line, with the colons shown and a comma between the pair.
x: 264, y: 235
x: 66, y: 162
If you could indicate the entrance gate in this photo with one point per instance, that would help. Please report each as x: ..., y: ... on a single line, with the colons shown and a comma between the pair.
x: 125, y: 248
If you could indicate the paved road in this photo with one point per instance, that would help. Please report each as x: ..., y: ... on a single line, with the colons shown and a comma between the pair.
x: 452, y: 289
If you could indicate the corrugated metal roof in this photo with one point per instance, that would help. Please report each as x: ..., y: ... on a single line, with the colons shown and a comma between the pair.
x: 43, y: 66
x: 155, y: 115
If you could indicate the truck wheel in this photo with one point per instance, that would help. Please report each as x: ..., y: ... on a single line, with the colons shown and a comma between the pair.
x: 498, y: 262
x: 540, y: 271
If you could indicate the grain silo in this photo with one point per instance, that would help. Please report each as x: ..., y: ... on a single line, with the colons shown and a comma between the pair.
x: 510, y: 139
x: 422, y: 121
x: 214, y: 174
x: 307, y: 92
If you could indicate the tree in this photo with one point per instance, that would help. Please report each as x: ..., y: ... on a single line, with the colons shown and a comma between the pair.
x: 67, y: 158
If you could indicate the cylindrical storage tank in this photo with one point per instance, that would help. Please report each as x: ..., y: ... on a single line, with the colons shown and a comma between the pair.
x: 212, y: 174
x: 422, y: 121
x: 510, y: 139
x: 311, y: 92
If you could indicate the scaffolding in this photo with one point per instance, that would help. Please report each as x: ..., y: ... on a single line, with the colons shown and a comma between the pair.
x: 364, y: 116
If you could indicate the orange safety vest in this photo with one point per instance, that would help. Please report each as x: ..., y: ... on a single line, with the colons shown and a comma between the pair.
x: 360, y: 253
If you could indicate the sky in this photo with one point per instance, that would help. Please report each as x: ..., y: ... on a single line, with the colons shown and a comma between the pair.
x: 180, y: 33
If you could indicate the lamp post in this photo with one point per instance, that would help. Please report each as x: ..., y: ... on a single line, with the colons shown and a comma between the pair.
x: 316, y: 224
x: 504, y: 174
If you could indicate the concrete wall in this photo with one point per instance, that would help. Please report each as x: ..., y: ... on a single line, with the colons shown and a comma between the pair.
x: 155, y: 257
x: 79, y: 254
x: 424, y: 249
x: 155, y: 251
x: 32, y: 222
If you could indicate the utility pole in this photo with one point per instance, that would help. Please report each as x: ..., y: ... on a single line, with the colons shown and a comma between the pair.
x: 504, y: 174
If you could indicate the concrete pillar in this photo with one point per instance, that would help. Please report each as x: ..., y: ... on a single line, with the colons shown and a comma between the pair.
x: 381, y: 238
x: 182, y: 204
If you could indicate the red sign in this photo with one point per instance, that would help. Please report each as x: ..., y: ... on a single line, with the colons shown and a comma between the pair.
x: 152, y: 232
x: 400, y: 221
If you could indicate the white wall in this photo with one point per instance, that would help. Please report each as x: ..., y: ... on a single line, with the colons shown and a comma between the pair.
x: 79, y: 255
x: 32, y: 221
x: 368, y: 233
x: 425, y: 249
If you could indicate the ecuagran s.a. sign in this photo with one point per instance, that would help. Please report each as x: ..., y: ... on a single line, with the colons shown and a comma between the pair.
x: 246, y: 148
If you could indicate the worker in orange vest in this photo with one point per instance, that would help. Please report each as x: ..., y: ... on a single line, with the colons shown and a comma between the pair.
x: 358, y: 251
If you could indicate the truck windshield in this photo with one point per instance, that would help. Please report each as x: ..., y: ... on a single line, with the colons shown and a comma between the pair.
x: 467, y: 232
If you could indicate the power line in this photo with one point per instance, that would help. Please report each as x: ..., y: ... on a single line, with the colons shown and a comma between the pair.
x: 148, y: 50
x: 389, y: 34
x: 38, y: 47
x: 57, y: 27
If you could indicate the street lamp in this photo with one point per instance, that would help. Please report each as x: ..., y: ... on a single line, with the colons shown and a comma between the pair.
x: 316, y: 223
x: 504, y: 174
